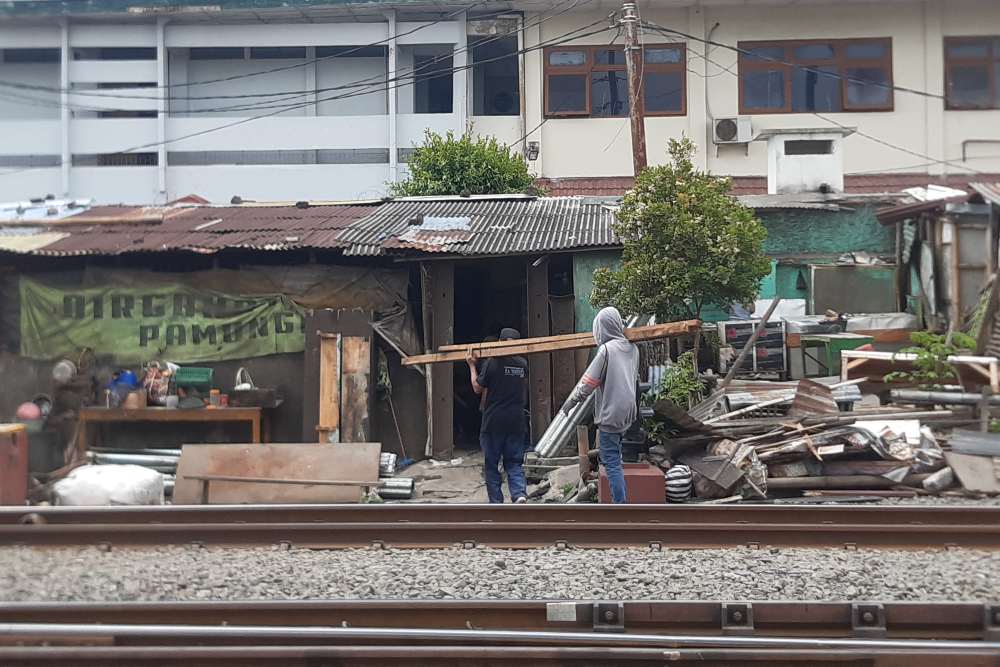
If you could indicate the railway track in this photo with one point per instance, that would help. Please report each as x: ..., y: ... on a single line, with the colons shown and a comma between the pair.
x: 506, y: 526
x: 488, y: 633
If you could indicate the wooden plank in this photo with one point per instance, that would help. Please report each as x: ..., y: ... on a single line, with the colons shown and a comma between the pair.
x: 539, y: 365
x: 563, y: 363
x: 269, y: 480
x: 884, y: 336
x: 354, y: 382
x: 329, y: 388
x: 335, y: 462
x: 543, y: 344
x: 502, y: 344
x: 440, y: 304
x: 976, y: 473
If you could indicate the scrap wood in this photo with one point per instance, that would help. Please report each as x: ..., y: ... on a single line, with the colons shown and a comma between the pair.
x: 524, y: 346
x: 842, y: 482
x: 976, y: 473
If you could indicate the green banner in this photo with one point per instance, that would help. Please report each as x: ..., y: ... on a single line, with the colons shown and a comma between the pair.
x: 168, y: 321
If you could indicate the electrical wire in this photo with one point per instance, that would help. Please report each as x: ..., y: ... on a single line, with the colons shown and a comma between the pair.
x: 807, y: 68
x: 569, y: 36
x: 375, y: 84
x: 883, y: 142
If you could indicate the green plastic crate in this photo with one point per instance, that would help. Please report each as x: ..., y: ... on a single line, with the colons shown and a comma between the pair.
x: 193, y: 376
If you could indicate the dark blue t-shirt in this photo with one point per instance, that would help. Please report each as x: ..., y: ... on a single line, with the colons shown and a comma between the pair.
x: 506, y: 381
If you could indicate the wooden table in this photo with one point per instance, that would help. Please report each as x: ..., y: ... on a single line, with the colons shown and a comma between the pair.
x: 829, y: 347
x: 161, y: 415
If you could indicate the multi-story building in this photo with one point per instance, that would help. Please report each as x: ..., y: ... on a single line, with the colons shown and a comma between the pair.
x: 149, y: 100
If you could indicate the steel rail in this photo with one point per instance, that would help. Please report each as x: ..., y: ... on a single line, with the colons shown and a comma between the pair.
x: 429, y: 526
x: 339, y: 513
x: 900, y: 620
x: 512, y: 535
x: 407, y: 656
x: 228, y: 633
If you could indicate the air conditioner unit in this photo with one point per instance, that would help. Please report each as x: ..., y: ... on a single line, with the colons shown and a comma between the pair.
x: 735, y: 130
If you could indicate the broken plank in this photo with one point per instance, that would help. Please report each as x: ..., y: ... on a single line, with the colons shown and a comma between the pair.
x: 329, y: 388
x: 356, y: 362
x: 543, y: 344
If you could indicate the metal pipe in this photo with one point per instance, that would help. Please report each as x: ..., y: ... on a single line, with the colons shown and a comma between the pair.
x: 145, y: 452
x: 562, y: 427
x: 513, y: 637
x: 396, y: 488
x: 940, y: 397
x: 134, y: 459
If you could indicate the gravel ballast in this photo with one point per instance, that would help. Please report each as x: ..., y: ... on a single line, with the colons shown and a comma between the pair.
x: 191, y: 573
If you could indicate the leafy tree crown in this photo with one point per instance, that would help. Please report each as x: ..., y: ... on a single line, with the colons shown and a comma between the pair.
x: 687, y: 243
x: 467, y: 165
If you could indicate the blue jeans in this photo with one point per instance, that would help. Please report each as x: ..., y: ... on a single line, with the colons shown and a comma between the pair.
x: 610, y: 450
x: 509, y: 448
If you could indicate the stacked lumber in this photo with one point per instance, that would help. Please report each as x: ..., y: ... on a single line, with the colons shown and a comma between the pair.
x: 542, y: 344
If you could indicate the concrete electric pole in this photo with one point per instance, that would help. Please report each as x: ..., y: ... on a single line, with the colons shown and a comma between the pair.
x: 633, y: 63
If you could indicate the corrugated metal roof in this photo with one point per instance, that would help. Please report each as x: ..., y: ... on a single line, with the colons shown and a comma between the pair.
x: 113, y: 230
x: 989, y: 191
x: 497, y: 226
x: 28, y: 242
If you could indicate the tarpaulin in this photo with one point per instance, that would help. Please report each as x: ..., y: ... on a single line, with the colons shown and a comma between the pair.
x: 165, y: 319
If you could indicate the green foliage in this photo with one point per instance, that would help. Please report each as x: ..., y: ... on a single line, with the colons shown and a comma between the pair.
x: 931, y: 368
x: 679, y: 383
x: 468, y: 165
x: 686, y: 244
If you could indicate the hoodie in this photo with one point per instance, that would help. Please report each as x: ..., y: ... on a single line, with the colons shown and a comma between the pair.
x: 612, y: 374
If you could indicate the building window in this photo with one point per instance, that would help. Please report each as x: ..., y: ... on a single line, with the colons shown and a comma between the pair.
x: 432, y: 82
x: 277, y: 52
x: 216, y: 53
x: 495, y: 85
x: 115, y: 53
x: 972, y: 72
x: 115, y: 160
x: 31, y: 55
x: 591, y: 81
x: 816, y: 76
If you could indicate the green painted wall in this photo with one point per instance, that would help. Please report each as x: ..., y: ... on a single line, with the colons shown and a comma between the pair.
x: 812, y: 232
x: 797, y: 237
x: 584, y: 265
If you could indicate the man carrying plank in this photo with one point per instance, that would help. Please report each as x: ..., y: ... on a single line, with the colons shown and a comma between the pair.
x: 505, y: 383
x: 613, y: 374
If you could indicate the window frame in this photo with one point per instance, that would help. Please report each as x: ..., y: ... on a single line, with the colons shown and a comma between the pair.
x: 839, y: 60
x: 991, y: 60
x: 590, y: 67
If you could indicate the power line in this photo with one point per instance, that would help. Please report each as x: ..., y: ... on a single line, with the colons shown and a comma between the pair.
x: 807, y: 68
x: 664, y: 30
x: 553, y: 42
x: 374, y: 83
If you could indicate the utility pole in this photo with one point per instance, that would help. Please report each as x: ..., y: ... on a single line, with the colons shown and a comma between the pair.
x: 633, y: 64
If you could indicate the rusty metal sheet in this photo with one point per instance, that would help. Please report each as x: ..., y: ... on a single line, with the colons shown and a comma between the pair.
x: 812, y: 398
x: 336, y: 462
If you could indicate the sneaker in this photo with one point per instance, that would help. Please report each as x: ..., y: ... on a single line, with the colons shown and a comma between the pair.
x: 521, y: 501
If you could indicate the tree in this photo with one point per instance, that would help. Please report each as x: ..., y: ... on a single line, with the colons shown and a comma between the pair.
x: 464, y: 166
x: 686, y: 244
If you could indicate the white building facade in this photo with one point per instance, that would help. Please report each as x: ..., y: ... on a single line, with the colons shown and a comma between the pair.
x: 146, y: 102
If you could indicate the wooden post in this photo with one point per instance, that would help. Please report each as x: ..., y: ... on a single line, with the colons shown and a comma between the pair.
x: 633, y: 63
x: 539, y: 365
x: 355, y: 372
x: 439, y: 316
x: 329, y: 388
x: 564, y: 375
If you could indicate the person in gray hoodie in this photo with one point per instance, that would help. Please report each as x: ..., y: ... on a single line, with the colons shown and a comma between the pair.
x: 613, y: 375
